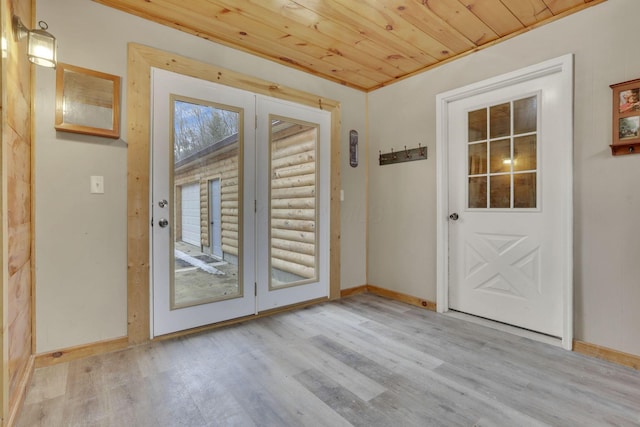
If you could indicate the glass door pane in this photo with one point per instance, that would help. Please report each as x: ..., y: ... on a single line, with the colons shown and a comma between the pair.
x: 292, y: 202
x: 203, y: 223
x: 502, y: 153
x: 293, y: 220
x: 206, y: 183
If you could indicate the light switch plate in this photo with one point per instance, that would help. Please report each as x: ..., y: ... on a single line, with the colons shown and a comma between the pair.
x: 97, y: 184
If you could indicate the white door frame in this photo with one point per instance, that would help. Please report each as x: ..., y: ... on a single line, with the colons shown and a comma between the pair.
x: 562, y: 65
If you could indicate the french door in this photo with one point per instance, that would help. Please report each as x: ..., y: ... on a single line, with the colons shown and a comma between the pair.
x: 239, y: 182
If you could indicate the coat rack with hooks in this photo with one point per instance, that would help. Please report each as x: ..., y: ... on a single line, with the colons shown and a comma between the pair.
x: 406, y: 155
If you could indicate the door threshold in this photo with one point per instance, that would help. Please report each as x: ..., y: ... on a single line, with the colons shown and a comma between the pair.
x: 514, y: 330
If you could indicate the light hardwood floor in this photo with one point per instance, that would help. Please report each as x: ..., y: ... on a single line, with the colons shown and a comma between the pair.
x: 362, y: 361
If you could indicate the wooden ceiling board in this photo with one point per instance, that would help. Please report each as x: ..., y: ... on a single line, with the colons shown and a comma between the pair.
x: 495, y: 14
x: 431, y: 25
x: 364, y: 44
x: 308, y: 25
x: 300, y: 23
x: 379, y: 17
x: 559, y: 6
x: 364, y: 51
x: 396, y: 51
x: 289, y: 46
x: 529, y: 11
x: 461, y: 19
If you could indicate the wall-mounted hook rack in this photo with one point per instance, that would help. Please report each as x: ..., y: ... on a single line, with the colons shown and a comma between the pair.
x: 406, y: 155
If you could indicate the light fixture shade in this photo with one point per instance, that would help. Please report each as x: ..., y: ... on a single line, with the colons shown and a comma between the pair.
x: 41, y: 48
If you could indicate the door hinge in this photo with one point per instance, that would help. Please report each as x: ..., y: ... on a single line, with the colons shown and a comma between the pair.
x: 255, y: 206
x: 255, y: 289
x: 256, y: 123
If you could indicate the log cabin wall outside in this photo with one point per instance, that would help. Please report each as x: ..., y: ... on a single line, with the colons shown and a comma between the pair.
x: 293, y: 202
x: 293, y: 197
x: 201, y: 168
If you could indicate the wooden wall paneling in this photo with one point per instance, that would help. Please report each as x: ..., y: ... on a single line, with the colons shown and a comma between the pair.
x: 19, y: 323
x: 140, y: 60
x: 4, y: 251
x: 16, y: 235
x: 335, y: 242
x: 138, y: 217
x: 19, y: 118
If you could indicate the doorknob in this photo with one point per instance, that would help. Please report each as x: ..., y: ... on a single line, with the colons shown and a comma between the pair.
x: 454, y: 216
x: 163, y: 222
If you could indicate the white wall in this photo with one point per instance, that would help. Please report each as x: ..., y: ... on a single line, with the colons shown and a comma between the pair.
x: 402, y: 251
x: 81, y: 260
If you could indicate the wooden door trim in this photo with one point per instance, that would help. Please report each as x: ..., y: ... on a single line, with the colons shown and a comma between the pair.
x: 140, y: 61
x: 563, y: 65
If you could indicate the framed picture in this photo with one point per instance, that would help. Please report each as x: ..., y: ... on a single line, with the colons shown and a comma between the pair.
x: 87, y: 101
x: 626, y: 117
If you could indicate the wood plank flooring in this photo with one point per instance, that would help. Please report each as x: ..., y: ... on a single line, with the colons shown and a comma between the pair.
x: 361, y: 361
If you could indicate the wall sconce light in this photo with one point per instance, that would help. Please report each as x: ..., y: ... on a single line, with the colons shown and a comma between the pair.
x: 41, y: 45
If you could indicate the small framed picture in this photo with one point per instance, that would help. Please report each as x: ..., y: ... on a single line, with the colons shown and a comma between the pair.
x: 628, y: 127
x: 626, y: 117
x: 87, y: 101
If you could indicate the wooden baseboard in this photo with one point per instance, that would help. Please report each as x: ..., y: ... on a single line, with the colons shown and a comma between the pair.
x: 353, y: 291
x: 81, y: 351
x: 608, y: 354
x: 408, y: 299
x: 21, y: 392
x: 397, y: 296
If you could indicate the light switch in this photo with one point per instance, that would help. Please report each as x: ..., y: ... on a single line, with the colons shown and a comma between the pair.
x: 97, y: 184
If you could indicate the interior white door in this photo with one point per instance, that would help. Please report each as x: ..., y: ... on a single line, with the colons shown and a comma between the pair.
x: 294, y: 145
x: 508, y: 195
x: 201, y: 130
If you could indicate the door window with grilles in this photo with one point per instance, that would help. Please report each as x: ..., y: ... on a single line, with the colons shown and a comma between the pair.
x: 502, y: 155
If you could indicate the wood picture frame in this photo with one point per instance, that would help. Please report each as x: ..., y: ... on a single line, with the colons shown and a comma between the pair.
x: 87, y: 101
x: 626, y: 118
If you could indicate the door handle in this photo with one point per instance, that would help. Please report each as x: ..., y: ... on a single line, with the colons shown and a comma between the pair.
x: 163, y: 222
x: 454, y: 216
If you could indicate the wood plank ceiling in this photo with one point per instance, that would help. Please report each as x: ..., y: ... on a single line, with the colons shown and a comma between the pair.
x: 364, y: 44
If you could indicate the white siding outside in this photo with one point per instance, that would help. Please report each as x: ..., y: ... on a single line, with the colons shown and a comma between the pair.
x: 191, y: 213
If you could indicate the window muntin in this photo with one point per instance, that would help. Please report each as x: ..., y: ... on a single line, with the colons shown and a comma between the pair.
x: 502, y: 155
